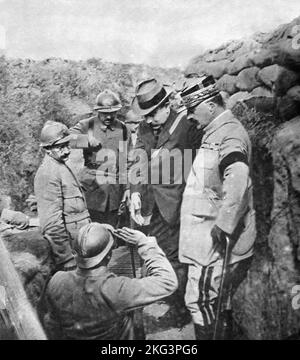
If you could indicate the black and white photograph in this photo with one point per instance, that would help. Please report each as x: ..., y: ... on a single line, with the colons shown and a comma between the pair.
x: 149, y: 172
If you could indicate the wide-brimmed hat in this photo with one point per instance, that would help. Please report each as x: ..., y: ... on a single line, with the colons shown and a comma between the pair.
x: 93, y: 244
x: 149, y: 95
x: 199, y: 89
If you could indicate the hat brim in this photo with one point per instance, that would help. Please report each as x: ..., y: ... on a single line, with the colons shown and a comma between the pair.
x: 138, y: 110
x: 64, y: 140
x: 107, y: 110
x: 87, y: 263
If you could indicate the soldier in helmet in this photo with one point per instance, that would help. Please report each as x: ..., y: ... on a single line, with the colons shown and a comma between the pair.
x: 92, y: 303
x: 102, y: 136
x: 60, y: 200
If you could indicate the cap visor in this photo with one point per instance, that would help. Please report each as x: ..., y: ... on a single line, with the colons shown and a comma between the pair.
x: 64, y: 140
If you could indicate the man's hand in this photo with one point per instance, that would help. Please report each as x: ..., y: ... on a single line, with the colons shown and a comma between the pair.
x: 31, y: 202
x: 135, y: 208
x: 126, y: 197
x: 219, y: 239
x: 133, y: 237
x: 93, y: 142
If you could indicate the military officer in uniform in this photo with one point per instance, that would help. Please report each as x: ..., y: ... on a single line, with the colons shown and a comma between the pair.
x: 217, y: 206
x: 60, y: 200
x: 106, y: 142
x: 92, y: 303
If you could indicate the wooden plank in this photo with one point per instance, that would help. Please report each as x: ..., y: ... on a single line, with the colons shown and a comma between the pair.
x: 19, y: 311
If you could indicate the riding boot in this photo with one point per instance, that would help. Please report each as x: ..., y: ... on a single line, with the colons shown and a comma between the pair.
x: 225, y: 328
x: 227, y: 325
x: 203, y: 332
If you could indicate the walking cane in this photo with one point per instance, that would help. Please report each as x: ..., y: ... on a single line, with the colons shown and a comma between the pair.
x: 221, y: 289
x: 131, y: 249
x: 137, y: 315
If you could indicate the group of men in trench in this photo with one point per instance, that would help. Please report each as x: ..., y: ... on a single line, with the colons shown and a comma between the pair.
x: 199, y: 229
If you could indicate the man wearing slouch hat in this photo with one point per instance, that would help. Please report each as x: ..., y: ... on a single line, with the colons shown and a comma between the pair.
x: 157, y: 200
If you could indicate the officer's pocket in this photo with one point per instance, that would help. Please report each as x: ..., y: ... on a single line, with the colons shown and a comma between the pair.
x: 210, y: 158
x: 199, y: 205
x: 87, y: 178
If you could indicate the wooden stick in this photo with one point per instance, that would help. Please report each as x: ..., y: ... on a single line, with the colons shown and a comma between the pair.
x: 18, y: 308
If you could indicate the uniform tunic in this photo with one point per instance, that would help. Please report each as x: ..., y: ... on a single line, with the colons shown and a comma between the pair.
x: 95, y: 304
x: 104, y: 177
x: 219, y: 194
x: 61, y: 206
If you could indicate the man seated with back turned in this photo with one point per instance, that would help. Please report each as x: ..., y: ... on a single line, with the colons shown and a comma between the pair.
x: 92, y: 303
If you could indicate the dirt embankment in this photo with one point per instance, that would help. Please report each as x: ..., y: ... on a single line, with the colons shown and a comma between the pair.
x: 32, y: 92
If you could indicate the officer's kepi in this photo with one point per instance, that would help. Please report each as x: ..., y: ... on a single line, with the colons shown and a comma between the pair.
x: 202, y: 89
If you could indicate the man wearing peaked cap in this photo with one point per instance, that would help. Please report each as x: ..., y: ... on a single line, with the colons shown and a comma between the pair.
x: 100, y: 133
x: 92, y: 303
x: 217, y: 208
x: 60, y: 200
x: 161, y: 132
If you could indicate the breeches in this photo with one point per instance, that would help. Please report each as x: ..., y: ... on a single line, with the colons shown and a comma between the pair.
x: 202, y: 290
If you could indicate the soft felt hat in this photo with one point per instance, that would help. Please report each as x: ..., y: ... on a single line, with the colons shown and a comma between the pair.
x: 149, y: 95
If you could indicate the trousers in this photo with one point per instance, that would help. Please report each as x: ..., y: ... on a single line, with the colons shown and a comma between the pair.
x: 167, y: 237
x: 202, y: 289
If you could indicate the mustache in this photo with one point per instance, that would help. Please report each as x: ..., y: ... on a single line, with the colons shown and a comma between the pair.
x: 65, y: 156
